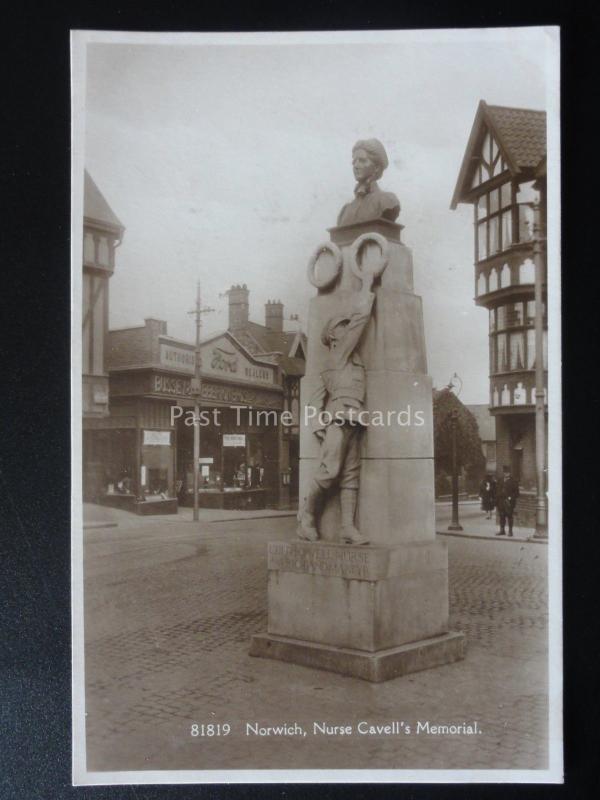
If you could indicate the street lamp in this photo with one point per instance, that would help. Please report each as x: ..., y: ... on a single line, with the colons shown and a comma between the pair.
x: 455, y: 524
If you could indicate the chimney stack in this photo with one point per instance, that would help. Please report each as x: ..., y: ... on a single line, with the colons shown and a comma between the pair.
x: 274, y: 315
x: 238, y: 306
x: 157, y: 327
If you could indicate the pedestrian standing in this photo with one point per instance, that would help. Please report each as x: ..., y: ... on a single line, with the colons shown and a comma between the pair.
x: 487, y: 493
x: 507, y: 493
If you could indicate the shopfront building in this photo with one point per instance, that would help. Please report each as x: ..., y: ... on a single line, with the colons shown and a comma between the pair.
x: 148, y: 442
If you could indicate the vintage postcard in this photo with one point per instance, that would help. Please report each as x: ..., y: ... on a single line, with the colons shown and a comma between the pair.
x: 316, y: 407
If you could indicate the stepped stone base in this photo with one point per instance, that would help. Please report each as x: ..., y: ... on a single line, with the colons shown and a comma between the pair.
x: 374, y: 667
x: 374, y: 612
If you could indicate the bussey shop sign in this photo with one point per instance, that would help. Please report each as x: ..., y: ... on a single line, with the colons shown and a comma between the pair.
x: 162, y: 384
x: 174, y: 387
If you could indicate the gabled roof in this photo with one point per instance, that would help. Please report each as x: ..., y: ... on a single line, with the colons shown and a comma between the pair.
x: 278, y: 342
x: 95, y: 207
x: 521, y: 137
x: 258, y: 358
x: 299, y: 344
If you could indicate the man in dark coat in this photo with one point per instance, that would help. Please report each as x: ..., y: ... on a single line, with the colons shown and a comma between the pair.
x: 507, y: 492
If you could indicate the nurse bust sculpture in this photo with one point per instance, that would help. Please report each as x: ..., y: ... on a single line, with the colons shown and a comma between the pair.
x: 369, y: 160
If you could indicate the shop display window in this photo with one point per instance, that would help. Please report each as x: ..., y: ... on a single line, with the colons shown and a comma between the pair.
x: 158, y: 482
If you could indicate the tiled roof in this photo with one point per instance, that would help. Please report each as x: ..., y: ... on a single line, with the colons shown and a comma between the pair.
x: 520, y: 134
x: 523, y: 133
x: 95, y: 206
x: 281, y: 342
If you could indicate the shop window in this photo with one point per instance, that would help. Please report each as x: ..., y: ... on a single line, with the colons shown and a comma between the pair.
x: 158, y: 481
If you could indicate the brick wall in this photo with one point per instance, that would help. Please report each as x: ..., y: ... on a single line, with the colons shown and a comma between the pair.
x: 525, y: 511
x: 132, y: 346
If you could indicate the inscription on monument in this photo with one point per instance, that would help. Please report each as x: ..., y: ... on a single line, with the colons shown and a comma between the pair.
x: 322, y: 559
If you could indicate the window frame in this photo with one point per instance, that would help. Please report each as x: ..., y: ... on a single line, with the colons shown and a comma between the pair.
x: 482, y: 222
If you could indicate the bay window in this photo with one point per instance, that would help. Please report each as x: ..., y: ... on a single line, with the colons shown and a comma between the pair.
x: 493, y: 215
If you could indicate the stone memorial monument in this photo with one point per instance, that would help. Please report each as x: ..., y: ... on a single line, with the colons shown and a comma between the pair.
x: 363, y: 591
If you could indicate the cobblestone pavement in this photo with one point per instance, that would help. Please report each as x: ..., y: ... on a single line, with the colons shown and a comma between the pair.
x: 169, y: 613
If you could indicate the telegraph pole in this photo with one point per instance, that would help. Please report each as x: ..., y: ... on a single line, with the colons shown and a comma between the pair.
x: 196, y: 387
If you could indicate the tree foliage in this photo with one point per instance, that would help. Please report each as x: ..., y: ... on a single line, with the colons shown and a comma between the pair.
x: 469, y: 453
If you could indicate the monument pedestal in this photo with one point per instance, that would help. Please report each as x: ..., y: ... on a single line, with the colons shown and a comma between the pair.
x: 372, y: 612
x: 377, y: 611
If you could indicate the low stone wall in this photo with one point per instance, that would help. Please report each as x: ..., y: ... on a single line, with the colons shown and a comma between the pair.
x: 525, y: 511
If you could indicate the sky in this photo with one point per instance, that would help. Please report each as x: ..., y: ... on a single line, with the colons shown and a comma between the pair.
x: 226, y: 163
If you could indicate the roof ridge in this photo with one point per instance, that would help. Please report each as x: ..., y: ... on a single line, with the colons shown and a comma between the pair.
x: 519, y: 108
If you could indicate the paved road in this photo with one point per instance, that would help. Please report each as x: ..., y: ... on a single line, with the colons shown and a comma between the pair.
x: 169, y: 612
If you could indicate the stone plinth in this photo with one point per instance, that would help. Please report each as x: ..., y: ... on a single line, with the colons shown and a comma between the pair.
x: 362, y: 611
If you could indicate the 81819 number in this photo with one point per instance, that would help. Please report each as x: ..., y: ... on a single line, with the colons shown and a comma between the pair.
x: 211, y: 729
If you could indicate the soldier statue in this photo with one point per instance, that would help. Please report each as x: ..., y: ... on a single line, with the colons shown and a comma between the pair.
x: 336, y: 418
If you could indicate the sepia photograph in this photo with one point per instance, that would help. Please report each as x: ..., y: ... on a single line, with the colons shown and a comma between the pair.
x: 316, y: 407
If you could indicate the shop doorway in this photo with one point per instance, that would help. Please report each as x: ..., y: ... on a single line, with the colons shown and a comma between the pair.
x: 234, y: 466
